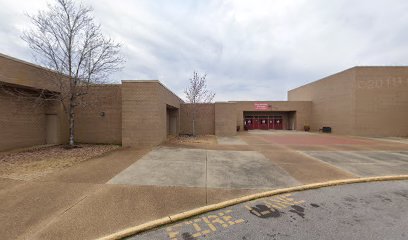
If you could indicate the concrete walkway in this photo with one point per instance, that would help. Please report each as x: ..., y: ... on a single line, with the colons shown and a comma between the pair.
x: 235, y: 140
x: 366, y: 163
x: 205, y: 168
x: 78, y: 204
x: 144, y: 185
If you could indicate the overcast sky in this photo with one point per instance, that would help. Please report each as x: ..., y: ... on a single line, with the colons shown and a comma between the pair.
x: 251, y: 50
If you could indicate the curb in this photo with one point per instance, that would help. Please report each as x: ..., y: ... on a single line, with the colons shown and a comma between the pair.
x: 177, y: 217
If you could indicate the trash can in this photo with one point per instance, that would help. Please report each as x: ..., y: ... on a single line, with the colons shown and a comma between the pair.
x: 326, y: 129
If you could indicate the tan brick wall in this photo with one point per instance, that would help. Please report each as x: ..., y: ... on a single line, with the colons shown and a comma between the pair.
x: 25, y: 120
x: 90, y: 125
x: 225, y: 119
x: 22, y: 122
x: 144, y: 112
x: 381, y: 105
x: 368, y: 101
x: 333, y: 101
x: 204, y: 121
x: 365, y: 101
x: 15, y: 71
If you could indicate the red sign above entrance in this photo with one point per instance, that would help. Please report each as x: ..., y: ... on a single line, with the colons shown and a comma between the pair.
x: 261, y: 106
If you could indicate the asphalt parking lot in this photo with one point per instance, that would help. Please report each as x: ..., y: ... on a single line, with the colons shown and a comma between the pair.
x: 375, y: 210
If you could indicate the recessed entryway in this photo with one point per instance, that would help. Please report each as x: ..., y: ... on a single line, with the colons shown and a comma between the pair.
x: 269, y: 120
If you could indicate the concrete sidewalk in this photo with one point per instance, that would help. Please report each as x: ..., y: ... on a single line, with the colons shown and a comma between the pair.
x: 29, y: 208
x: 76, y: 203
x: 98, y: 170
x: 205, y: 168
x: 57, y: 210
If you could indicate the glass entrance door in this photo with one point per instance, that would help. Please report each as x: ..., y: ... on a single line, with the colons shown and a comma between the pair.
x: 263, y: 122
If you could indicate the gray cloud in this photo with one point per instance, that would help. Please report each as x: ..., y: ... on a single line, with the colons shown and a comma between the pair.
x: 250, y: 49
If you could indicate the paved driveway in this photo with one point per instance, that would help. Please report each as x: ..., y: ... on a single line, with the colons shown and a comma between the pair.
x: 205, y: 168
x: 366, y: 163
x: 355, y: 211
x: 278, y: 159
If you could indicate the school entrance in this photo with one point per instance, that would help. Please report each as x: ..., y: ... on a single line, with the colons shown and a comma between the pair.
x: 268, y: 120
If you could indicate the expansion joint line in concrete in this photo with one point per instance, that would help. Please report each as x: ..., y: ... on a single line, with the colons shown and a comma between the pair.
x: 181, y: 216
x: 206, y: 177
x: 44, y: 226
x: 73, y: 205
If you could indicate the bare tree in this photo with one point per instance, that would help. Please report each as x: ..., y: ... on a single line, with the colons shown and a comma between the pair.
x: 66, y: 40
x: 197, y: 93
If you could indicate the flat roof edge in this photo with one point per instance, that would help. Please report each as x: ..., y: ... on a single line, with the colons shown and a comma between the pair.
x: 153, y: 81
x: 140, y: 81
x: 255, y: 101
x: 350, y: 69
x: 324, y: 78
x: 24, y: 62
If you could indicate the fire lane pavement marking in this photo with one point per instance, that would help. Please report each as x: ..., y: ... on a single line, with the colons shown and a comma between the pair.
x: 203, y: 225
x: 215, y: 222
x: 269, y: 207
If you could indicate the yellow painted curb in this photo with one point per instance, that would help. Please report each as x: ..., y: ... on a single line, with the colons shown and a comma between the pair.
x: 181, y: 216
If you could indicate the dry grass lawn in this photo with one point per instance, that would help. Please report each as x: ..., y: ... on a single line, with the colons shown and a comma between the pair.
x: 33, y: 163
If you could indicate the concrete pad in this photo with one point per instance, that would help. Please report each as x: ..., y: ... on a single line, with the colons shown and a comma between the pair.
x: 278, y: 132
x: 261, y: 132
x: 163, y: 173
x: 27, y: 207
x: 7, y: 184
x: 253, y: 139
x: 204, y: 168
x: 216, y: 195
x: 235, y: 140
x: 308, y: 148
x: 315, y: 139
x: 405, y: 153
x: 114, y: 207
x: 244, y: 169
x: 210, y: 146
x: 98, y: 170
x: 166, y: 167
x: 304, y: 168
x: 120, y: 206
x: 45, y: 210
x: 176, y: 154
x: 393, y: 139
x: 346, y: 157
x: 364, y: 163
x: 389, y: 157
x: 369, y: 170
x: 73, y: 209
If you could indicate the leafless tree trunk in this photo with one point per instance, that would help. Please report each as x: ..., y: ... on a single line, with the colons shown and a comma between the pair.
x: 66, y: 40
x: 197, y: 93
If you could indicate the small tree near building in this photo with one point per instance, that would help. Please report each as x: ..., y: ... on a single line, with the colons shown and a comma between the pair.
x: 66, y: 39
x: 197, y: 93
